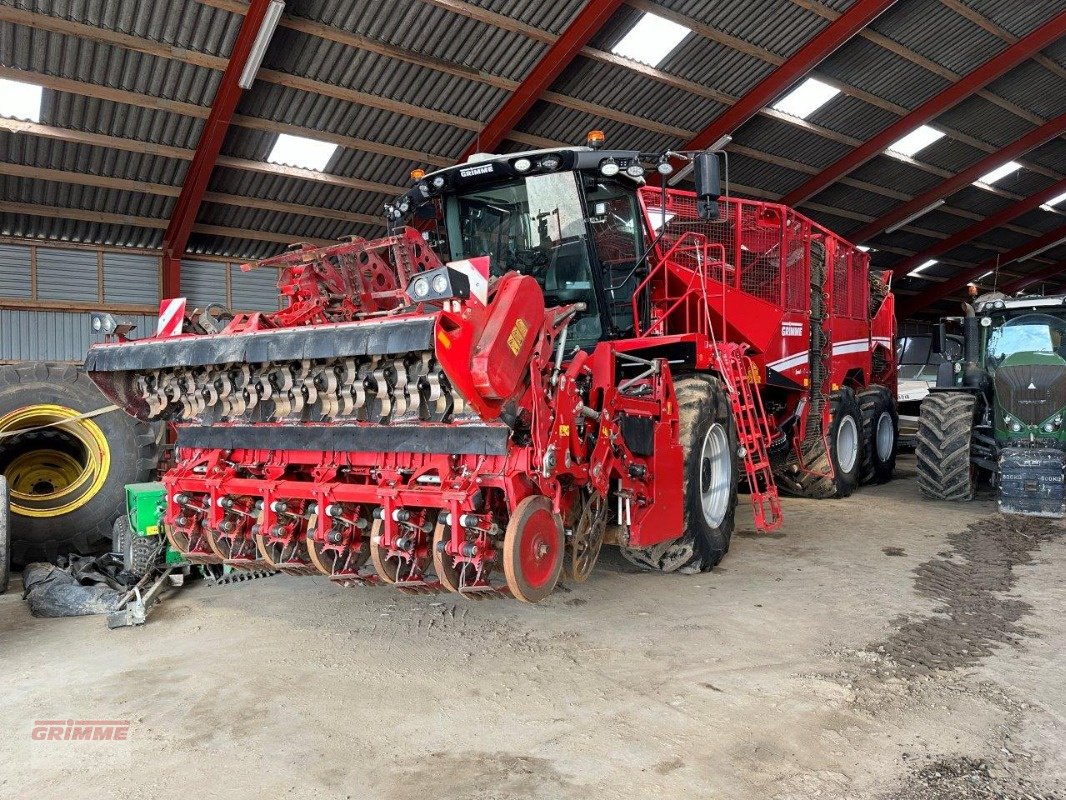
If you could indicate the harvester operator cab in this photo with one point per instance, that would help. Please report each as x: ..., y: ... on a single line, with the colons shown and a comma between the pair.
x: 570, y: 218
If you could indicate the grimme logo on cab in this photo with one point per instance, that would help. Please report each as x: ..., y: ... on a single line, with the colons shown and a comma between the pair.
x: 80, y: 730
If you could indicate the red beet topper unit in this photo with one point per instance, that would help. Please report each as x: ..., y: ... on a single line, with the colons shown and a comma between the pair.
x: 544, y: 355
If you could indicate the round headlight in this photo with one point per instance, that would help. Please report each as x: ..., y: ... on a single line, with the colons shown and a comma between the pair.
x: 664, y: 167
x: 420, y: 288
x: 404, y: 205
x: 440, y: 284
x: 986, y: 321
x: 523, y: 165
x: 635, y: 170
x: 551, y: 162
x: 438, y: 182
x: 1016, y: 426
x: 423, y: 187
x: 97, y: 324
x: 609, y: 167
x: 1048, y: 427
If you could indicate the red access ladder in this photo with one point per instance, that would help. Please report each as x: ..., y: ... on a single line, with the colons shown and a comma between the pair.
x: 753, y: 431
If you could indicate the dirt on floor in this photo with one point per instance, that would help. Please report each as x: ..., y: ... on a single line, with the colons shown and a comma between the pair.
x: 877, y: 647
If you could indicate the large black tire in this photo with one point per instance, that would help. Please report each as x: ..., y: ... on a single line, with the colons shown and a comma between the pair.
x: 52, y: 513
x: 5, y: 536
x: 945, y: 436
x: 841, y: 461
x: 880, y: 433
x: 708, y: 437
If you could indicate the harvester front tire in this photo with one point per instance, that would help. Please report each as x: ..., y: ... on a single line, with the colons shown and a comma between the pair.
x: 842, y: 459
x: 709, y: 442
x: 880, y: 432
x: 66, y: 483
x: 945, y: 431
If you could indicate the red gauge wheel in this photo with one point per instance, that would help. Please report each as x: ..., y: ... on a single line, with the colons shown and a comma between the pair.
x: 533, y: 549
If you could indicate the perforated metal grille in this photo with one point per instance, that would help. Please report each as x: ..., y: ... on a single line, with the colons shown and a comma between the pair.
x: 766, y: 250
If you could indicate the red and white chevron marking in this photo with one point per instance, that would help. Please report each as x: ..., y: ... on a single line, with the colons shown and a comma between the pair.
x: 171, y: 316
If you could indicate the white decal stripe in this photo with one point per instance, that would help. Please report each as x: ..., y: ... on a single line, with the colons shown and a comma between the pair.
x: 839, y: 348
x: 789, y: 363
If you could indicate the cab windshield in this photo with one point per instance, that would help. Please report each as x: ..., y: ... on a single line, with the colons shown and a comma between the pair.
x: 1029, y: 333
x: 535, y: 226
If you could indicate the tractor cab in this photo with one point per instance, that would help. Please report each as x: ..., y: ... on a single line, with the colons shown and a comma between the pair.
x: 1023, y: 349
x: 1001, y: 412
x: 571, y: 218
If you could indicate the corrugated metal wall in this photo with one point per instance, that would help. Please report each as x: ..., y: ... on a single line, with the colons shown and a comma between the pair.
x: 256, y: 290
x: 55, y: 276
x: 203, y: 282
x: 67, y: 275
x: 131, y: 279
x: 14, y: 272
x: 54, y: 335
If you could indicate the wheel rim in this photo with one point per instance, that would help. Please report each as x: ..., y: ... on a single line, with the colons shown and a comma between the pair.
x: 533, y: 547
x: 64, y: 471
x: 716, y: 475
x: 885, y: 437
x: 537, y: 552
x: 847, y: 443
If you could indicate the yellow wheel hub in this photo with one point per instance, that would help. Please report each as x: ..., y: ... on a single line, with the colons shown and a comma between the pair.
x: 59, y: 462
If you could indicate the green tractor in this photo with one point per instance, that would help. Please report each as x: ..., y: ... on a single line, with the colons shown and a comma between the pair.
x: 1000, y: 412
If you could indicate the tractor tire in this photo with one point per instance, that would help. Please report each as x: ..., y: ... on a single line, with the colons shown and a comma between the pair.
x: 66, y: 481
x: 5, y: 536
x: 139, y: 553
x: 945, y: 431
x: 842, y: 459
x: 709, y: 490
x: 880, y: 432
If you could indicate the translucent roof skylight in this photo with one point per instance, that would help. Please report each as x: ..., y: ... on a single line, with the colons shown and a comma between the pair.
x: 806, y: 98
x: 651, y: 40
x: 20, y: 100
x: 296, y: 151
x: 1054, y: 201
x: 921, y: 267
x: 989, y: 178
x: 918, y: 139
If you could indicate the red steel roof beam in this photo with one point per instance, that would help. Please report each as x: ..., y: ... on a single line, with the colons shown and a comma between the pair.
x: 183, y: 217
x: 965, y: 87
x: 1051, y: 271
x: 816, y: 50
x: 941, y: 290
x: 980, y: 228
x: 1036, y: 137
x: 577, y: 34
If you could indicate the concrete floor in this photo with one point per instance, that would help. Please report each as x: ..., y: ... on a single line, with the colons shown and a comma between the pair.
x: 872, y: 649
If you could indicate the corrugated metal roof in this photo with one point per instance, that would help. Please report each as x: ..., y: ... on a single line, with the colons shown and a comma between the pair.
x: 926, y: 26
x: 429, y: 31
x: 985, y: 121
x: 882, y: 73
x: 780, y: 26
x: 189, y: 25
x: 1017, y: 17
x: 1033, y: 87
x: 779, y: 138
